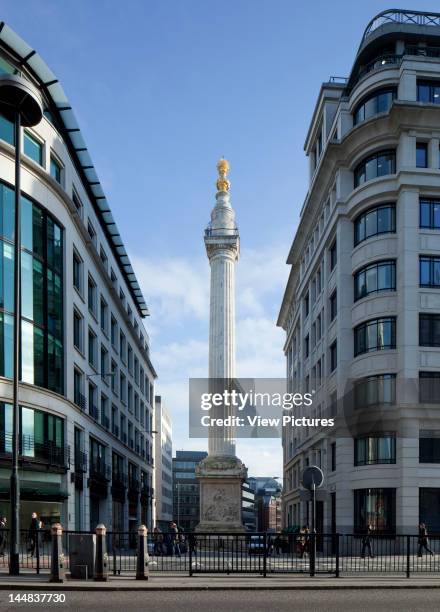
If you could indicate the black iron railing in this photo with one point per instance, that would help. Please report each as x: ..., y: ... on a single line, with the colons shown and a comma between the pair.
x: 36, y: 451
x: 80, y: 461
x: 80, y: 400
x: 418, y: 18
x: 246, y: 553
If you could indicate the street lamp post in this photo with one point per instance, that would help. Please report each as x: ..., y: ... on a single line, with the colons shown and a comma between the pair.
x: 20, y: 102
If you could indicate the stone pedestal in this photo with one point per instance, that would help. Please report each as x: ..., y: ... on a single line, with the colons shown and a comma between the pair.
x: 220, y: 494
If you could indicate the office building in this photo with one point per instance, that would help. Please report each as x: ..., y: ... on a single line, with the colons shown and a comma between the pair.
x: 361, y: 308
x: 163, y: 466
x: 87, y: 381
x: 186, y: 499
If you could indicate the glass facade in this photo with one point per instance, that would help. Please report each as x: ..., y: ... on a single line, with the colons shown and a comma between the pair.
x: 379, y: 101
x: 380, y: 164
x: 378, y: 220
x: 428, y: 92
x: 33, y: 148
x: 41, y: 435
x: 42, y: 293
x: 376, y: 277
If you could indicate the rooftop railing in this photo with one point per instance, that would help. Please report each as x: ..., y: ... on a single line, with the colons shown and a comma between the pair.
x: 418, y: 18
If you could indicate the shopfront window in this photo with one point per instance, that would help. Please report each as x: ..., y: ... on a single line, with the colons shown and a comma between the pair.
x: 375, y: 507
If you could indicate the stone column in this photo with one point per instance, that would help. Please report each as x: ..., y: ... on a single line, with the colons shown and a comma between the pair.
x: 221, y: 473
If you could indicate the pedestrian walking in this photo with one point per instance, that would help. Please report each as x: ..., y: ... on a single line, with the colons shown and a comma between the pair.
x: 423, y: 541
x: 304, y: 535
x: 3, y: 532
x: 366, y: 543
x: 158, y: 541
x: 33, y: 533
x: 278, y: 545
x: 174, y: 536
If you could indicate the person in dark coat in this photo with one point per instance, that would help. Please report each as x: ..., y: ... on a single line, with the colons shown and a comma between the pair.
x: 423, y: 540
x: 33, y: 533
x: 366, y: 543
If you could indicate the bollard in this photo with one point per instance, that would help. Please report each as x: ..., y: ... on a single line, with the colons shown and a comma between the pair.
x: 142, y: 554
x: 101, y: 559
x: 57, y: 566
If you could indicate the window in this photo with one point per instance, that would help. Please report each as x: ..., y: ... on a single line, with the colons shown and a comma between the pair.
x: 375, y: 507
x: 130, y: 358
x: 428, y: 92
x: 104, y: 364
x: 422, y: 155
x: 376, y: 277
x: 380, y: 164
x: 78, y: 386
x: 306, y: 304
x: 7, y: 130
x: 379, y: 390
x: 306, y: 346
x: 103, y: 257
x: 33, y: 148
x: 91, y: 295
x: 375, y: 449
x: 333, y: 356
x: 378, y: 220
x: 77, y: 272
x: 429, y: 271
x: 333, y: 256
x: 333, y: 305
x: 430, y: 214
x: 130, y: 397
x: 122, y: 346
x: 113, y: 330
x: 375, y: 335
x: 77, y: 330
x: 92, y: 348
x: 429, y: 329
x: 55, y: 169
x: 379, y: 101
x: 113, y: 377
x: 123, y: 388
x: 429, y: 387
x: 105, y: 421
x: 429, y: 447
x: 93, y: 407
x: 113, y: 278
x: 103, y: 315
x: 77, y: 203
x: 91, y: 232
x: 333, y: 456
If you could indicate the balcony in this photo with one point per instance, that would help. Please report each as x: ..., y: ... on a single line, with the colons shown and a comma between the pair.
x: 99, y: 470
x: 80, y: 461
x: 94, y: 412
x: 36, y: 452
x: 131, y: 443
x: 124, y: 438
x: 138, y: 449
x: 80, y: 400
x: 115, y: 431
x: 105, y: 421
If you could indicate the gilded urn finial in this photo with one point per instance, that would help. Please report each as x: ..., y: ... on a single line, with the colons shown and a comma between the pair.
x: 223, y: 168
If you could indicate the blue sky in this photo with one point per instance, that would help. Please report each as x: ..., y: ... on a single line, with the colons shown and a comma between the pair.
x: 161, y: 90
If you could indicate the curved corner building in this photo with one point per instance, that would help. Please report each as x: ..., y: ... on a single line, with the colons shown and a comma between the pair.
x: 361, y: 309
x: 87, y: 382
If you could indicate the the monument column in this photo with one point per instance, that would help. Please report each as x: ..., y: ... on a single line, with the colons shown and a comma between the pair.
x: 221, y: 474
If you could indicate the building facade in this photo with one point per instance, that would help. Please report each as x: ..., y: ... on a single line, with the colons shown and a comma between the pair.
x: 267, y: 492
x: 186, y: 499
x: 248, y: 507
x: 87, y: 381
x: 163, y: 464
x: 361, y: 308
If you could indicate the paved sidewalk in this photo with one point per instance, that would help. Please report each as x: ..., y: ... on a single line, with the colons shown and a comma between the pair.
x: 32, y: 582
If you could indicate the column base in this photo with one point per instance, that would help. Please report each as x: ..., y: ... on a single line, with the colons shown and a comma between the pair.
x: 220, y: 494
